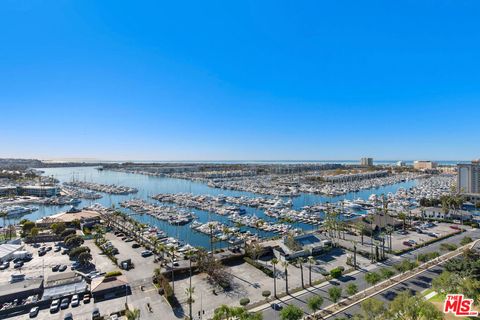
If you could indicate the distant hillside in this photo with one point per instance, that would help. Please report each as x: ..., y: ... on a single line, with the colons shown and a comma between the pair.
x: 20, y: 164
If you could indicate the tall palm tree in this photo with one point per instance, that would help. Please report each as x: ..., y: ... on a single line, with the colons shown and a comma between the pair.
x: 310, y: 261
x: 354, y: 254
x: 285, y: 265
x: 403, y: 217
x: 227, y: 232
x: 189, y: 292
x: 190, y: 289
x: 211, y: 227
x: 161, y: 249
x: 172, y: 258
x: 301, y: 262
x: 360, y: 226
x: 274, y: 262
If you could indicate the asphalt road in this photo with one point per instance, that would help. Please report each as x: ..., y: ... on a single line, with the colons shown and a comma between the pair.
x: 418, y: 283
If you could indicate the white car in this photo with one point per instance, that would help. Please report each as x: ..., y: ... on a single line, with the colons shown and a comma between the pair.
x: 55, y: 306
x: 33, y: 312
x: 75, y: 302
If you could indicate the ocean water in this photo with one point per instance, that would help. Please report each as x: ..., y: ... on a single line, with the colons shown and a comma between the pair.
x: 148, y: 186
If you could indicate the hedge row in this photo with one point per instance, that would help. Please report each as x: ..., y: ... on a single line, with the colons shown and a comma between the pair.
x: 259, y: 266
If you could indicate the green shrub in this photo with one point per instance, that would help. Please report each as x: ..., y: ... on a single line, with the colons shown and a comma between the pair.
x: 448, y: 246
x: 244, y: 301
x: 114, y: 273
x: 74, y: 253
x: 259, y: 266
x: 466, y: 240
x: 266, y: 293
x: 336, y: 272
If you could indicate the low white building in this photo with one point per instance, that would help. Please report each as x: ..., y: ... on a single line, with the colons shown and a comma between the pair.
x: 40, y: 191
x: 438, y: 213
x: 307, y: 245
x: 8, y: 249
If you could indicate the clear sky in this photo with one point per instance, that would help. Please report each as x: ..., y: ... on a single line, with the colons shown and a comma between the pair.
x: 240, y: 80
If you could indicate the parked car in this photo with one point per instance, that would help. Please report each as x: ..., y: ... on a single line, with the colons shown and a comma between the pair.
x: 55, y: 268
x: 135, y: 246
x: 62, y: 268
x: 65, y: 303
x: 406, y: 243
x: 455, y: 227
x: 68, y: 316
x: 18, y: 265
x: 57, y: 249
x: 146, y: 253
x: 93, y: 274
x: 33, y: 312
x: 86, y: 298
x: 54, y: 306
x: 276, y: 306
x: 75, y: 301
x: 95, y: 314
x: 5, y: 265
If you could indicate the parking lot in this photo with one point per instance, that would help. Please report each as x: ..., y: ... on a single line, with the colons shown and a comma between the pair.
x: 417, y: 235
x: 83, y: 311
x: 428, y: 233
x: 38, y: 265
x: 142, y: 272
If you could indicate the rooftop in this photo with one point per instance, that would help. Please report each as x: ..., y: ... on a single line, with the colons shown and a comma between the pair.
x: 68, y: 217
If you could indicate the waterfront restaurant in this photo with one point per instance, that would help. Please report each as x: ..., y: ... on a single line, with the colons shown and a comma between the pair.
x: 85, y: 217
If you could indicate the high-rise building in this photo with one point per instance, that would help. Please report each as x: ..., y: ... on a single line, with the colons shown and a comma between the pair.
x: 468, y: 179
x: 368, y: 162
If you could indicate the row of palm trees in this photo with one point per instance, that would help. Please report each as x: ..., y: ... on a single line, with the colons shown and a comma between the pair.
x: 300, y: 261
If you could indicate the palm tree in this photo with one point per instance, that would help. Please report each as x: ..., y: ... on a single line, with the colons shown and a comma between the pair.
x: 285, y: 265
x: 310, y: 261
x: 403, y: 217
x: 161, y: 249
x: 354, y: 254
x: 222, y: 312
x: 172, y: 258
x: 300, y: 262
x: 389, y: 230
x: 211, y: 227
x: 156, y: 274
x: 227, y: 232
x: 190, y: 290
x: 360, y: 226
x: 133, y: 314
x: 274, y: 262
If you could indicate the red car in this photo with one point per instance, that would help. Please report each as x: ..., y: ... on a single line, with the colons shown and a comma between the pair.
x: 406, y: 243
x: 455, y: 227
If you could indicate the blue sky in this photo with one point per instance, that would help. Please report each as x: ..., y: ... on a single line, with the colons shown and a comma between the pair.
x: 239, y: 80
